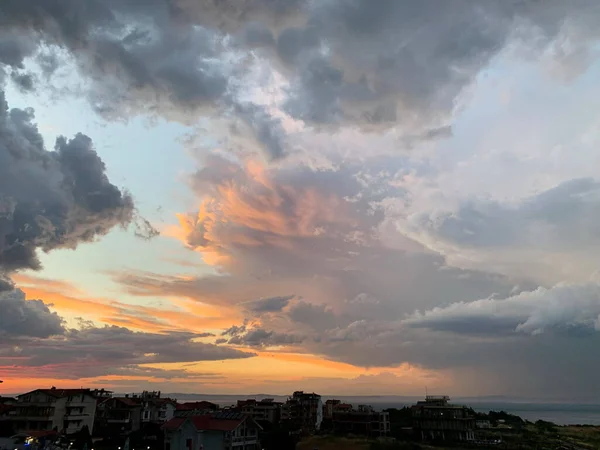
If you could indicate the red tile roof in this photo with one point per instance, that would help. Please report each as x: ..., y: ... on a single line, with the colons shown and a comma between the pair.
x: 207, y: 423
x: 204, y: 422
x: 174, y: 423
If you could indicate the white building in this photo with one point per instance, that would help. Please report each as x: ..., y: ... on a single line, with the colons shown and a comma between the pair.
x: 63, y: 410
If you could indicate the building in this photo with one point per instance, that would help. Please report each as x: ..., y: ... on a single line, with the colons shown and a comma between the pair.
x: 266, y: 409
x: 118, y: 416
x: 362, y: 421
x: 437, y: 419
x: 156, y: 409
x: 217, y: 431
x: 304, y: 411
x: 329, y: 406
x: 63, y: 410
x: 122, y: 415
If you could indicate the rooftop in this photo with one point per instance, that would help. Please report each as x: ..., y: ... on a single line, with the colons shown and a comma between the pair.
x: 221, y: 421
x: 59, y: 393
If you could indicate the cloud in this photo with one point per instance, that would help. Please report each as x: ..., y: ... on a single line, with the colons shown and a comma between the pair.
x: 268, y: 305
x: 344, y: 71
x: 23, y: 81
x: 34, y: 337
x: 95, y: 351
x: 506, y: 235
x: 176, y: 58
x: 254, y: 336
x: 246, y: 207
x: 31, y: 318
x: 567, y: 308
x: 317, y: 316
x: 51, y: 200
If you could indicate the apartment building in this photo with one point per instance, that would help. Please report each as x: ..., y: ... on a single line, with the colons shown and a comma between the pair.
x: 304, y: 410
x: 63, y: 410
x: 437, y: 419
x: 267, y: 409
x: 363, y: 421
x: 121, y: 415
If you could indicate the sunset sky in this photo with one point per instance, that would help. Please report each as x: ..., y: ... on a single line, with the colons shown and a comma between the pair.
x: 260, y: 196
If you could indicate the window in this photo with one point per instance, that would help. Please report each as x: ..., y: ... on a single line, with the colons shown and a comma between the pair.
x: 146, y: 415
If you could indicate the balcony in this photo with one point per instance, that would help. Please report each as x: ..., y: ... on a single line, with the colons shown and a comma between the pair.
x: 76, y: 416
x: 32, y: 418
x: 78, y: 404
x: 44, y: 404
x: 117, y: 420
x: 243, y: 440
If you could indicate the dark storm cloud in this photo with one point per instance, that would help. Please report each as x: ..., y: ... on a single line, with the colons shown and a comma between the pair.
x: 391, y: 62
x: 254, y: 336
x: 92, y: 351
x: 134, y: 55
x: 268, y: 305
x: 51, y: 200
x: 318, y: 317
x: 358, y: 62
x: 23, y: 81
x: 26, y: 318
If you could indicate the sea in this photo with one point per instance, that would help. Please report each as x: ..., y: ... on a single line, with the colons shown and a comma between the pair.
x: 560, y: 413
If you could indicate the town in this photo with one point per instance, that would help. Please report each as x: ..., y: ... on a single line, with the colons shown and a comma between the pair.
x: 97, y: 419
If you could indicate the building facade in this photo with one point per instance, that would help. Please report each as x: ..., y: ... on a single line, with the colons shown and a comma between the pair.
x: 435, y: 419
x: 122, y: 415
x: 304, y: 411
x: 216, y: 431
x: 118, y: 416
x: 362, y: 421
x: 63, y: 410
x: 266, y: 409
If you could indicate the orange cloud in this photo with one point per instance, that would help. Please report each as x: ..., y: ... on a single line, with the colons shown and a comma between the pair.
x: 184, y: 314
x: 245, y: 206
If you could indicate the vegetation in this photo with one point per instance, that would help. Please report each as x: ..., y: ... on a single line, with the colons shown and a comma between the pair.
x: 513, y: 432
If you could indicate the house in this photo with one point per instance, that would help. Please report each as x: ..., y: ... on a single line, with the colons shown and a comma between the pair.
x: 266, y: 409
x: 304, y: 411
x: 437, y: 419
x: 63, y: 410
x: 118, y: 416
x: 216, y: 431
x: 363, y: 421
x: 122, y: 415
x: 156, y: 409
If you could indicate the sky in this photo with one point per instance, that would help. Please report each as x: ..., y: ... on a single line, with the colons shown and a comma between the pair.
x: 261, y: 196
